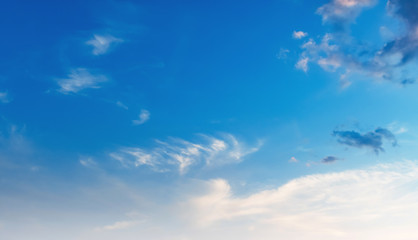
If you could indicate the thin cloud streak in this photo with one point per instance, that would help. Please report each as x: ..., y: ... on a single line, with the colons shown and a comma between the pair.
x: 182, y: 155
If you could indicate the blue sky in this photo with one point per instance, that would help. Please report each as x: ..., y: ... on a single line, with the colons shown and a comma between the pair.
x: 202, y: 120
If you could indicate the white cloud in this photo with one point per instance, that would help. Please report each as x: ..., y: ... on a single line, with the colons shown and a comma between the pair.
x: 80, y: 79
x: 101, y: 44
x: 293, y: 160
x: 302, y: 64
x: 4, y: 97
x: 299, y: 34
x: 143, y: 117
x: 342, y: 12
x: 380, y: 201
x: 182, y: 154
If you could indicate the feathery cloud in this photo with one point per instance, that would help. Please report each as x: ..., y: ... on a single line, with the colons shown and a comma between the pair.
x: 182, y: 154
x: 87, y: 162
x: 101, y: 43
x: 80, y: 79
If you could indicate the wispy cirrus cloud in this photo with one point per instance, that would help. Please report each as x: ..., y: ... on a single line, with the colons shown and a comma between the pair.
x: 181, y: 154
x: 121, y: 105
x: 373, y: 139
x: 79, y: 79
x: 144, y: 116
x: 102, y: 43
x: 338, y: 51
x: 87, y: 162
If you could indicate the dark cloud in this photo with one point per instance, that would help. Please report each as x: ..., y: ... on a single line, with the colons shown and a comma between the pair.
x: 406, y: 9
x: 373, y: 139
x: 406, y: 45
x: 387, y: 134
x: 407, y: 81
x: 329, y: 159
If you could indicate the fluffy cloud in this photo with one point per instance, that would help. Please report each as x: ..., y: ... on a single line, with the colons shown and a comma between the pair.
x: 359, y: 204
x: 80, y: 79
x: 143, y: 117
x: 101, y: 43
x: 182, y: 154
x: 338, y: 51
x: 373, y: 139
x: 299, y: 34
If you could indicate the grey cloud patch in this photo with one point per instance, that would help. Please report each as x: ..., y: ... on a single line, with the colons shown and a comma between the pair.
x: 338, y: 51
x: 373, y: 139
x: 407, y: 45
x: 181, y: 154
x: 329, y: 159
